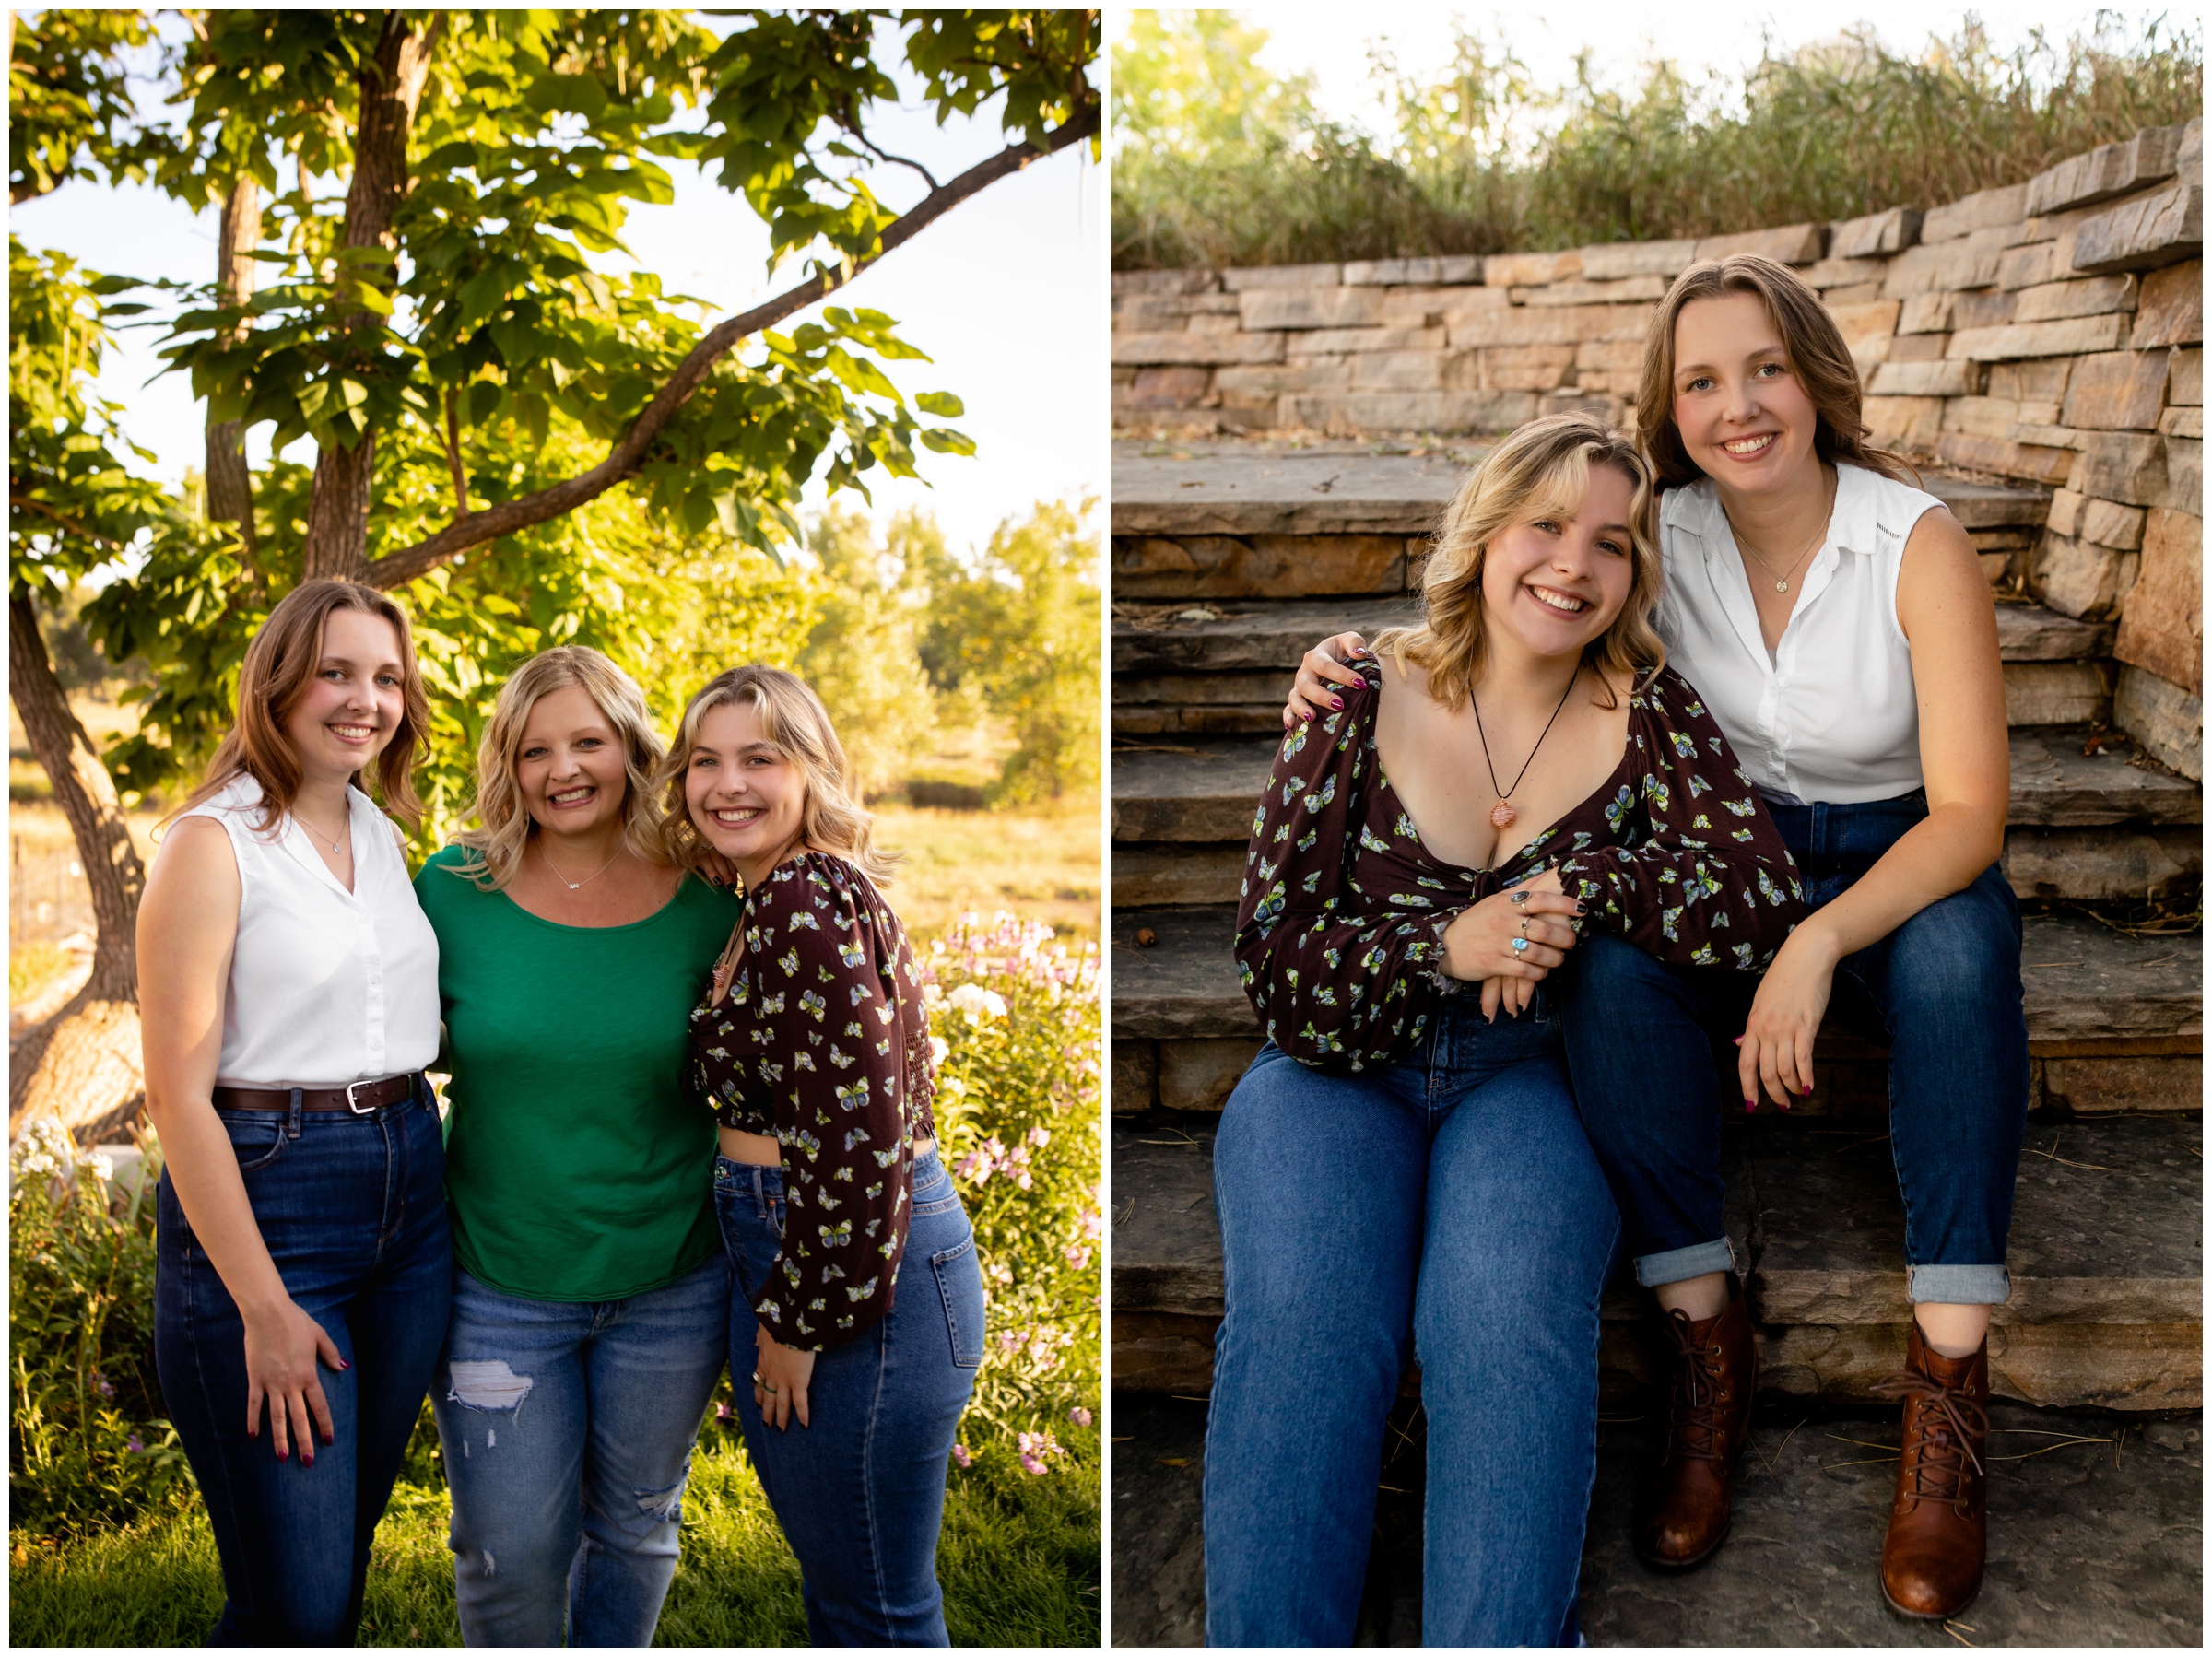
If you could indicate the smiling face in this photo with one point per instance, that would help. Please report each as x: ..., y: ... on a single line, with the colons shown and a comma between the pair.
x: 1558, y: 582
x: 744, y: 794
x: 354, y: 700
x: 1744, y: 415
x: 569, y: 767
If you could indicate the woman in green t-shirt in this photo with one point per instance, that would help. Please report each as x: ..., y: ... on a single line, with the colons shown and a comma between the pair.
x: 591, y: 1296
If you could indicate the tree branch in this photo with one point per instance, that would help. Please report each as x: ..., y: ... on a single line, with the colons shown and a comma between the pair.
x: 453, y: 453
x: 70, y: 524
x: 624, y: 460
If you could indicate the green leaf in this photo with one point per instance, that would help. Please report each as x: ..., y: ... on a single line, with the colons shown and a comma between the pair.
x: 942, y: 404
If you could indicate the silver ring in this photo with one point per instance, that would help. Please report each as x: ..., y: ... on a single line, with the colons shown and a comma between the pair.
x: 1519, y: 945
x: 1525, y: 927
x: 1517, y: 897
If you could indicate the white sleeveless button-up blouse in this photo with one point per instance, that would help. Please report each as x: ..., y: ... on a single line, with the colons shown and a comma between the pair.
x: 1831, y: 715
x: 327, y: 986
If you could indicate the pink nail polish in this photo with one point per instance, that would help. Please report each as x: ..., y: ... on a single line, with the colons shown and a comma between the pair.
x: 306, y: 1461
x: 1752, y: 1105
x: 1809, y: 1092
x: 1739, y: 1040
x: 344, y: 1365
x: 282, y: 1454
x: 1336, y: 702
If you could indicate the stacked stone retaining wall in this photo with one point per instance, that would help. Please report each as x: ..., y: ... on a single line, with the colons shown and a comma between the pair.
x: 2050, y: 332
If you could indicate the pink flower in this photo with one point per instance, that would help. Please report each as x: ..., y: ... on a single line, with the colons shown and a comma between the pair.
x: 961, y: 1458
x: 1079, y: 1416
x: 1030, y: 1464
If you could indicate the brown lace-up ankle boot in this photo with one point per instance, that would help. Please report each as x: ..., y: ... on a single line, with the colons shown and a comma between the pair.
x: 1708, y: 1417
x: 1939, y: 1520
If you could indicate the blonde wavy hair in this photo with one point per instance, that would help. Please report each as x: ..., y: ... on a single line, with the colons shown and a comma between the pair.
x: 793, y: 718
x: 497, y: 846
x: 1539, y: 470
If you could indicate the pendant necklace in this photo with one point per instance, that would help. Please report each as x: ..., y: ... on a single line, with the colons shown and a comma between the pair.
x: 577, y: 885
x: 335, y: 849
x: 1503, y: 814
x: 1781, y: 582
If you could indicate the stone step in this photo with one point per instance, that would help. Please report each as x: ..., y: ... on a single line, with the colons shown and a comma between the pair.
x: 1204, y: 790
x: 2036, y: 693
x: 2094, y: 1535
x: 2106, y: 1258
x: 2086, y: 865
x: 1169, y: 640
x: 1229, y: 489
x: 2088, y: 827
x: 2091, y: 991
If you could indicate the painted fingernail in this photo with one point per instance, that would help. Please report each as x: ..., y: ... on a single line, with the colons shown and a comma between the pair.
x: 1752, y: 1105
x: 306, y: 1460
x: 1336, y: 702
x: 344, y: 1365
x: 1786, y: 1104
x: 1808, y: 1090
x: 328, y: 1439
x: 1739, y: 1040
x: 1579, y: 908
x: 282, y: 1454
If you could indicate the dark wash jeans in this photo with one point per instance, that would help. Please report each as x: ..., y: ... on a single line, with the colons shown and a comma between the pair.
x: 861, y: 1493
x: 352, y: 1209
x: 1447, y: 1208
x: 1650, y: 1045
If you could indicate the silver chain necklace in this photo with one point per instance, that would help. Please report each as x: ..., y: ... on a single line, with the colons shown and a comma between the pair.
x: 1781, y: 582
x: 577, y: 885
x: 336, y: 848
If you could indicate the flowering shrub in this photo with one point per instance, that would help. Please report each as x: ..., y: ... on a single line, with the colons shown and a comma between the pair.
x: 86, y: 1448
x: 1016, y: 1019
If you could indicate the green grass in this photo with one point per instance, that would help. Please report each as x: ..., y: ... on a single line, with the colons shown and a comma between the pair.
x: 1019, y: 1559
x: 1219, y: 165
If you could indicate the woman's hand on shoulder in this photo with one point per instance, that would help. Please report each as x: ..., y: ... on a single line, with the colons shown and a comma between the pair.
x: 1478, y: 943
x: 1324, y: 666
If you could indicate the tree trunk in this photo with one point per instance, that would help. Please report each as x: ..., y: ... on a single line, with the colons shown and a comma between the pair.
x: 391, y: 86
x: 230, y: 484
x: 84, y: 1064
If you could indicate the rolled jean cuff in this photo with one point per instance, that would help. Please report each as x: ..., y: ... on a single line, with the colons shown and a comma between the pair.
x: 1957, y: 1285
x: 1679, y: 1265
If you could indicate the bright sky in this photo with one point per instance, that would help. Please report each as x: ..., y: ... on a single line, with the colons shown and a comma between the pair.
x: 1006, y: 293
x: 1331, y: 41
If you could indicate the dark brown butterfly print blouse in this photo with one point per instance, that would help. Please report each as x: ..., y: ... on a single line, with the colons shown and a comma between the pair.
x: 822, y: 1042
x: 1340, y: 928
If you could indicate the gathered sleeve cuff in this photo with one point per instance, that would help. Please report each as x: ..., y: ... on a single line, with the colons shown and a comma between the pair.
x: 828, y: 977
x: 1336, y: 977
x: 1706, y: 881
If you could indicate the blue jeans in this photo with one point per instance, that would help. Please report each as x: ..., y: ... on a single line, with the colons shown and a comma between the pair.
x: 1447, y: 1208
x: 860, y: 1492
x: 352, y: 1210
x: 1943, y: 992
x: 568, y: 1428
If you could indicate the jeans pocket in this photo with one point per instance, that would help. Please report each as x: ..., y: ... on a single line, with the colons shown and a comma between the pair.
x: 258, y: 1138
x: 961, y: 1286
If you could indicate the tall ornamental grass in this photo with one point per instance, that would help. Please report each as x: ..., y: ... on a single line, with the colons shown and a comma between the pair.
x: 1217, y: 164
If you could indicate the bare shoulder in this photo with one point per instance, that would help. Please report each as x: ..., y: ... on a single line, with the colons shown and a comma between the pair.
x: 1940, y: 579
x: 193, y: 885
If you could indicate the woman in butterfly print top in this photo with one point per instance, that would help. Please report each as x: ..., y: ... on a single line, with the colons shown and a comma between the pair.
x: 1671, y: 854
x: 858, y: 1306
x: 822, y: 1044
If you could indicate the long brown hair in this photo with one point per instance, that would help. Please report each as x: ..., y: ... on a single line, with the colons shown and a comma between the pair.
x: 794, y: 719
x: 1539, y: 468
x: 506, y: 826
x: 280, y: 661
x: 1809, y: 337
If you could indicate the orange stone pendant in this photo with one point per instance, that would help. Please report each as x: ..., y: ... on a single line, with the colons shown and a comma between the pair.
x: 1502, y: 814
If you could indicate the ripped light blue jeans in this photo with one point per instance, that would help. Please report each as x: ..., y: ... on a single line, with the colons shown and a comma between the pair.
x: 567, y: 1429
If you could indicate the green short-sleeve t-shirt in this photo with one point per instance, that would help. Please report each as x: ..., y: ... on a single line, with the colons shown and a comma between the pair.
x: 576, y: 1166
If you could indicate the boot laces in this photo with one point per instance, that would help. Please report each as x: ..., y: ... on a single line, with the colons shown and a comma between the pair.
x: 1693, y: 1428
x: 1946, y: 1445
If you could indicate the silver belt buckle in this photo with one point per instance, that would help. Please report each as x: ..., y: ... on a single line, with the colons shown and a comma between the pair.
x: 356, y: 1109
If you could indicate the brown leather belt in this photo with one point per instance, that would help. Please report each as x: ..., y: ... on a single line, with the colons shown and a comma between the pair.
x: 362, y: 1099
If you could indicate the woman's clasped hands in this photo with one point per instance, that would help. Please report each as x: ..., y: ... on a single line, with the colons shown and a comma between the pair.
x: 1512, y: 939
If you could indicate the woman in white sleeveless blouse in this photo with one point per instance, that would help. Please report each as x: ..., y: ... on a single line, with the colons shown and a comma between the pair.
x: 1837, y: 622
x: 288, y: 993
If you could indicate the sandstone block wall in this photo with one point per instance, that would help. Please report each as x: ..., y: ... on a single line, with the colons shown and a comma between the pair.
x: 2050, y: 332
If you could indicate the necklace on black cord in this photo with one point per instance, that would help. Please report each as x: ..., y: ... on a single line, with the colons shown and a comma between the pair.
x: 1503, y: 814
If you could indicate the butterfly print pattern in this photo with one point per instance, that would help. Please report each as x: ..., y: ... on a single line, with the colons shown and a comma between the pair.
x: 1340, y: 925
x: 822, y: 1042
